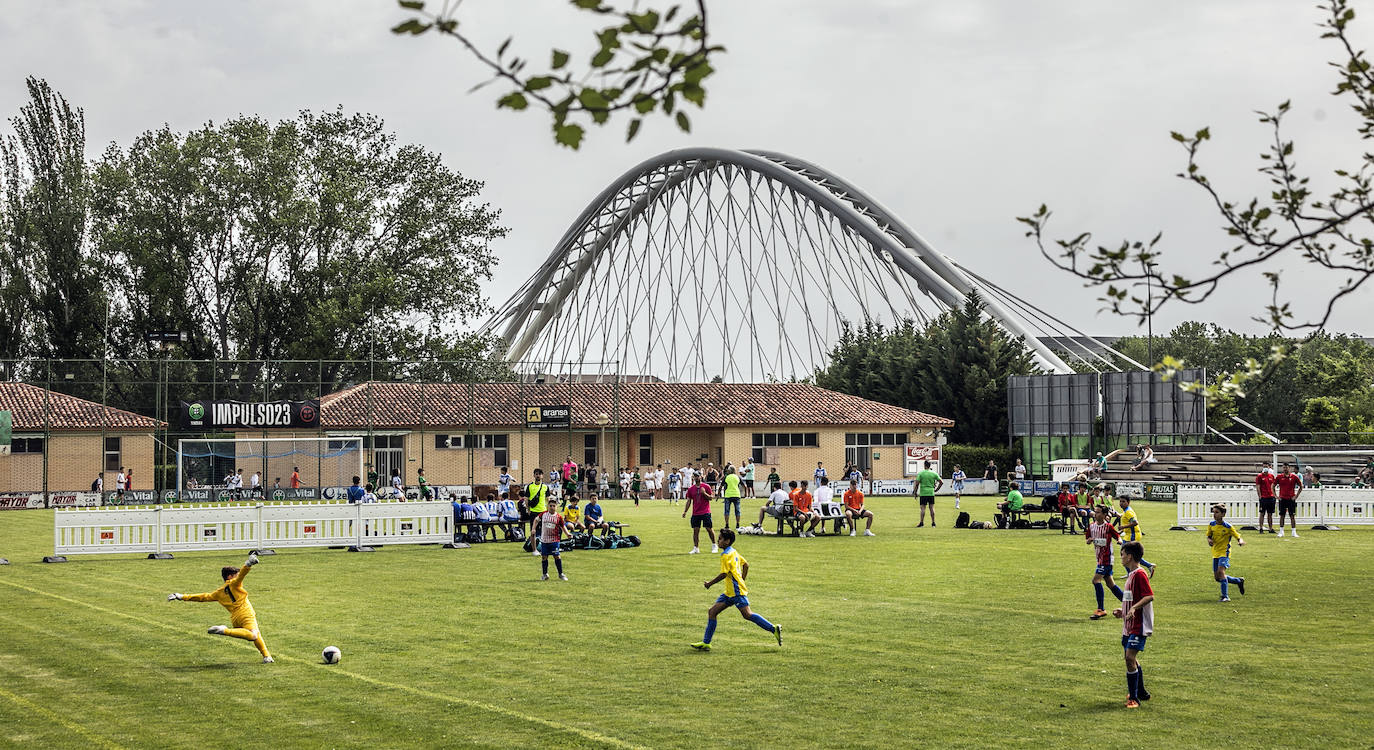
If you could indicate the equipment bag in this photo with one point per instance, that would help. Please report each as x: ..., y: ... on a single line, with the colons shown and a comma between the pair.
x: 962, y: 521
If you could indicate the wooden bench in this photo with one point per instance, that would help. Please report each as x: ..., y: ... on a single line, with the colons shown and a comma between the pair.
x: 837, y: 523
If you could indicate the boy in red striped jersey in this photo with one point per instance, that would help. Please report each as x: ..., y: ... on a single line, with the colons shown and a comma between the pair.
x: 1137, y: 615
x: 1099, y: 533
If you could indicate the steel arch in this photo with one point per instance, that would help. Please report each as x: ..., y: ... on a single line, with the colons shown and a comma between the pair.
x: 525, y: 315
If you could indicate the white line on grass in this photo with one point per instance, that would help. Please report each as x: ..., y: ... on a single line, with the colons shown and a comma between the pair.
x: 511, y: 713
x: 57, y: 718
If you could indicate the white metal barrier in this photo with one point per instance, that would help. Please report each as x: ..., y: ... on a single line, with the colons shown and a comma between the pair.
x: 1317, y: 506
x: 182, y: 528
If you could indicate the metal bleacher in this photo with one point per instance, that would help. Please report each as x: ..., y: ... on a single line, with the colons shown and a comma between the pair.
x: 1230, y: 464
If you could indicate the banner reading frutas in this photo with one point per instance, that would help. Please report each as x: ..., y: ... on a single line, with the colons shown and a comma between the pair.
x: 232, y: 415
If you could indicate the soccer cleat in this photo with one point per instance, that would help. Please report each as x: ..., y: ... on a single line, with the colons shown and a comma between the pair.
x: 545, y: 577
x: 562, y: 576
x: 268, y: 660
x: 1098, y: 615
x: 1241, y: 586
x: 1280, y: 532
x: 932, y: 524
x: 694, y: 551
x: 1295, y: 533
x: 853, y: 533
x: 702, y: 646
x: 869, y: 532
x: 919, y: 525
x: 1132, y: 703
x: 1151, y: 573
x: 777, y: 631
x: 1225, y: 599
x: 1144, y: 695
x: 715, y: 550
x: 217, y: 630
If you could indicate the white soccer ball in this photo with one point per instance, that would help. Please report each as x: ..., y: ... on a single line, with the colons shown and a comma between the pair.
x: 331, y: 655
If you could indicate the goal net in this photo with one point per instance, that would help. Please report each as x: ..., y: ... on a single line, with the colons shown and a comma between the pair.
x: 1331, y: 468
x: 325, y: 465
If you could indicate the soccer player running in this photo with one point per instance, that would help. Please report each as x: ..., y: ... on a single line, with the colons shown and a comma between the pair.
x: 1130, y: 529
x: 1290, y: 487
x: 1265, y: 481
x: 243, y: 621
x: 550, y: 525
x: 928, y: 483
x: 1137, y: 615
x: 733, y: 570
x: 1100, y: 534
x: 1219, y: 535
x: 854, y: 509
x: 957, y: 480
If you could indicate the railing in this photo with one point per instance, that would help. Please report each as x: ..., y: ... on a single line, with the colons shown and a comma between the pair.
x: 1316, y: 506
x: 160, y: 531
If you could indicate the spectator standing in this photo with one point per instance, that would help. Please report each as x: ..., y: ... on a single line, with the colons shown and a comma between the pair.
x: 732, y: 495
x: 1290, y: 487
x: 605, y: 482
x: 503, y: 481
x: 1265, y: 481
x: 928, y: 483
x: 747, y: 476
x: 699, y: 503
x: 818, y: 473
x: 774, y: 478
x: 295, y: 477
x: 660, y: 489
x: 1019, y: 471
x: 990, y: 471
x: 355, y: 492
x: 422, y: 483
x: 591, y: 476
x: 255, y: 481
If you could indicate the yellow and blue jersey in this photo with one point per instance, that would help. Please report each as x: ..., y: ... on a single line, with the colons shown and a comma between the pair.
x: 1220, y: 534
x: 732, y: 565
x: 1129, y: 526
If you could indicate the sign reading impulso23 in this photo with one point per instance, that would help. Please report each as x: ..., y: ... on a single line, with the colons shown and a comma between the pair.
x: 232, y: 414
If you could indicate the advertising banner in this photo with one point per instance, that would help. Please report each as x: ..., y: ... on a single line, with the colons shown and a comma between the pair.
x: 236, y: 415
x: 548, y: 417
x: 917, y: 455
x: 1165, y: 491
x: 879, y: 487
x: 31, y: 500
x: 1133, y: 490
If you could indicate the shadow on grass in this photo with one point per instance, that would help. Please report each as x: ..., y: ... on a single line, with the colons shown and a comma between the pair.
x: 206, y: 667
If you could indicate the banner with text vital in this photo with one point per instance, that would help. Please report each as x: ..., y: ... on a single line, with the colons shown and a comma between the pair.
x: 234, y: 415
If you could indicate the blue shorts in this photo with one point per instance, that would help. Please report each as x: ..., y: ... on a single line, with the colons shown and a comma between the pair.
x: 1104, y: 570
x: 740, y: 601
x: 728, y: 502
x: 1220, y: 562
x: 1134, y: 642
x: 548, y: 548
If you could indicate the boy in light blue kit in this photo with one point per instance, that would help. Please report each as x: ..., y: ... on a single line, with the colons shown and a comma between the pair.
x: 733, y: 570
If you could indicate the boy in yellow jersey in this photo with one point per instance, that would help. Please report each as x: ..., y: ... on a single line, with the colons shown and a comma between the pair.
x: 1129, y: 527
x: 243, y: 620
x: 733, y: 570
x: 1219, y: 535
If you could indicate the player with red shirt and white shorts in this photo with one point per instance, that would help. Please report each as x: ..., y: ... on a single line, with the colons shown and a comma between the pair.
x: 1290, y: 487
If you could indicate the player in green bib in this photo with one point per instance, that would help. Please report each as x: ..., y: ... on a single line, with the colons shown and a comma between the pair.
x: 732, y: 496
x: 927, y: 484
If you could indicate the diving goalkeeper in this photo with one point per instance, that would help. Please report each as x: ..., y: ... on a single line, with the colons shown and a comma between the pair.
x: 243, y: 620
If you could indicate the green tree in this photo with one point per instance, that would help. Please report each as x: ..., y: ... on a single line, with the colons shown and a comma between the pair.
x: 52, y: 290
x: 956, y: 367
x: 646, y: 61
x: 318, y: 237
x: 1320, y: 414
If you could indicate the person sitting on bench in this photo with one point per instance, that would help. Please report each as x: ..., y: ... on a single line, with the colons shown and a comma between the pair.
x: 572, y: 515
x: 854, y: 509
x: 1012, y: 504
x: 592, y: 518
x: 776, y: 507
x: 801, y: 511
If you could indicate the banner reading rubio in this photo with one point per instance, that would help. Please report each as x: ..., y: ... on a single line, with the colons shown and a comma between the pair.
x: 229, y: 415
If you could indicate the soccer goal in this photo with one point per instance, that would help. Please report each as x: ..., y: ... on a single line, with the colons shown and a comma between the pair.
x: 1340, y: 467
x: 324, y: 464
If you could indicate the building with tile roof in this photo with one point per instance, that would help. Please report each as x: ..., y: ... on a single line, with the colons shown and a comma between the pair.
x: 463, y: 434
x: 71, y: 440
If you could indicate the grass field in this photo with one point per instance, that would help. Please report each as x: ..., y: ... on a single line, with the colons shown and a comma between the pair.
x: 915, y: 638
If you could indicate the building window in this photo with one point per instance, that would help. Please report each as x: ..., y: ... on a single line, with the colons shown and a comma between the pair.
x: 783, y: 440
x: 26, y: 445
x: 500, y: 444
x: 858, y: 446
x: 646, y: 449
x: 589, y: 446
x: 112, y: 454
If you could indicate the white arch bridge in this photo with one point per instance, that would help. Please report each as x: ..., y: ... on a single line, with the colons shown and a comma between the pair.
x: 706, y: 262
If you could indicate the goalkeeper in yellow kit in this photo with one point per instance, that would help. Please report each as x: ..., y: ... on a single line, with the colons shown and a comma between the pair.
x: 243, y: 620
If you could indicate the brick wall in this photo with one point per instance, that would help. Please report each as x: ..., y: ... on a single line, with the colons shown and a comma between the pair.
x: 74, y: 460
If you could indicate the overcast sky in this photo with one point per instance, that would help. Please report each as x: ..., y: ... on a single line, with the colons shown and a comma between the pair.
x: 959, y: 115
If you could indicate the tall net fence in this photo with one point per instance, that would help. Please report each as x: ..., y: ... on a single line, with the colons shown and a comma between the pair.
x: 135, y: 430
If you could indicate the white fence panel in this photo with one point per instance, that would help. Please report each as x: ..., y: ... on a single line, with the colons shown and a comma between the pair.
x: 241, y: 527
x: 1336, y: 506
